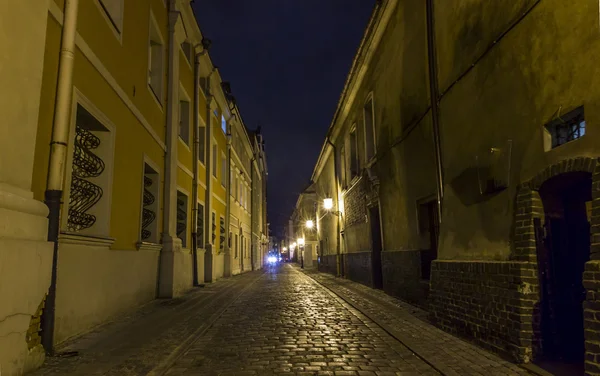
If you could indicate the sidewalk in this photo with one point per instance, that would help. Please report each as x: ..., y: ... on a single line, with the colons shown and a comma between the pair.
x: 446, y: 353
x: 148, y: 340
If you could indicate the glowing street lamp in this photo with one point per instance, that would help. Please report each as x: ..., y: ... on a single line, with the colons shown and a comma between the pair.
x: 301, y: 242
x: 310, y: 224
x: 285, y: 248
x: 328, y: 203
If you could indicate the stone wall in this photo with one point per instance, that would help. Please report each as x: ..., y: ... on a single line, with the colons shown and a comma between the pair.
x: 402, y: 276
x: 491, y: 303
x: 358, y: 267
x: 328, y: 264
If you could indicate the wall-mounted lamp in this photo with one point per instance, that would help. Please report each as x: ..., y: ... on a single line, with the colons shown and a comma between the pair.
x: 301, y: 242
x: 310, y: 224
x: 328, y: 203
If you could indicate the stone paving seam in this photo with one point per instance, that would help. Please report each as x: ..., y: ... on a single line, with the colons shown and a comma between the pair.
x: 376, y: 321
x: 405, y: 315
x: 166, y: 364
x: 108, y: 355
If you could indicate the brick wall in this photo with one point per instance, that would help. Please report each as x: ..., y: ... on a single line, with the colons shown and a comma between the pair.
x: 355, y: 207
x: 33, y: 332
x: 328, y: 264
x: 402, y: 276
x: 492, y: 303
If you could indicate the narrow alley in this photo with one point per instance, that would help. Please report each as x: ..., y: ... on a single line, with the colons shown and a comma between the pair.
x: 279, y: 320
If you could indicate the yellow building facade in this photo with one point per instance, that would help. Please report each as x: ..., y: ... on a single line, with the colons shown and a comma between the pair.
x: 131, y: 150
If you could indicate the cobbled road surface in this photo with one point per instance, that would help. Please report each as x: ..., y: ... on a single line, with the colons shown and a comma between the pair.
x: 280, y: 320
x: 289, y: 323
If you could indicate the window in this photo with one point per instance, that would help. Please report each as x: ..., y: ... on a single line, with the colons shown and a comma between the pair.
x: 155, y: 60
x: 566, y: 128
x: 236, y: 246
x: 223, y: 170
x: 114, y: 11
x: 353, y: 155
x: 221, y: 233
x: 214, y: 227
x: 89, y: 193
x: 223, y: 124
x: 369, y: 122
x: 149, y: 225
x: 184, y: 121
x: 201, y: 145
x: 214, y: 160
x: 182, y: 212
x: 187, y: 51
x: 235, y: 186
x: 342, y: 166
x: 200, y: 226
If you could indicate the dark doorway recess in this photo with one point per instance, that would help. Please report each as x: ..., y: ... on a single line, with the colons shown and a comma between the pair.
x: 563, y: 248
x: 376, y: 268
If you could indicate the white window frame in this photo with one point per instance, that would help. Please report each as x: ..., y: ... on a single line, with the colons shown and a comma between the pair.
x: 184, y: 98
x: 215, y: 164
x: 223, y: 124
x: 223, y: 170
x: 190, y: 51
x: 156, y: 93
x: 103, y: 208
x: 116, y: 26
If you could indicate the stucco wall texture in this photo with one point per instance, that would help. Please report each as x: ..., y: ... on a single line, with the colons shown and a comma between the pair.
x: 505, y: 70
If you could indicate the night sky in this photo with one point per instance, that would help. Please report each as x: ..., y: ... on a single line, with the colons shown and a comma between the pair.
x: 287, y: 61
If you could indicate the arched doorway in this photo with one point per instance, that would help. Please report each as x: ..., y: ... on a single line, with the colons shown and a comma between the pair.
x: 563, y: 248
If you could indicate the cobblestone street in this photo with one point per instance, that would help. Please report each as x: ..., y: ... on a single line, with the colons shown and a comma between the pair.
x: 279, y: 321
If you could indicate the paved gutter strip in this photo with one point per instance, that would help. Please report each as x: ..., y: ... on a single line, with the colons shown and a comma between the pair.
x: 164, y: 366
x: 440, y: 349
x: 134, y: 344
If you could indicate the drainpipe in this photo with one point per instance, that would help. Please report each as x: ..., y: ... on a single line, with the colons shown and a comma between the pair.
x: 252, y: 214
x: 208, y: 255
x: 227, y: 266
x: 58, y: 158
x: 196, y: 155
x: 434, y: 96
x: 337, y: 200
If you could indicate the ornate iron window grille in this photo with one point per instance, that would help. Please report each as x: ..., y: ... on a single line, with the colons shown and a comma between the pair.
x: 148, y: 215
x: 200, y: 226
x: 214, y: 228
x: 568, y: 127
x: 181, y: 218
x: 84, y: 194
x: 222, y: 235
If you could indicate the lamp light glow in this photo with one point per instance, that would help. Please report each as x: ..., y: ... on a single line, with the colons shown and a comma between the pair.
x: 310, y: 224
x: 328, y: 203
x: 301, y: 241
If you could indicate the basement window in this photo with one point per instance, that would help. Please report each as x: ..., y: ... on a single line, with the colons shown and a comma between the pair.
x: 565, y: 128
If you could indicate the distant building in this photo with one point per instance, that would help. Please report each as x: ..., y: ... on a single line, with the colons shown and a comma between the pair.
x: 125, y: 129
x: 508, y: 146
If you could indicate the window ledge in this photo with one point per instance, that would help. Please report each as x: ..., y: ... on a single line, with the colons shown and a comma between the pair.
x: 145, y: 246
x: 73, y: 238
